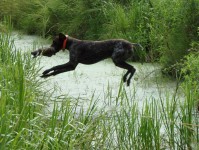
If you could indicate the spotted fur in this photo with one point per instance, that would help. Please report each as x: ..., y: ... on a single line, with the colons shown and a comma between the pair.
x: 90, y: 52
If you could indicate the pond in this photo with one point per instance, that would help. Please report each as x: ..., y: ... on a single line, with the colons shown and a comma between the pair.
x: 101, y: 80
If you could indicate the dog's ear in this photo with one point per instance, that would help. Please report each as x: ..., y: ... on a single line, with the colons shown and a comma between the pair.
x: 62, y: 36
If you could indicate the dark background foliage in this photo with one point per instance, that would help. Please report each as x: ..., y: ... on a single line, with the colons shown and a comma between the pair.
x: 165, y: 28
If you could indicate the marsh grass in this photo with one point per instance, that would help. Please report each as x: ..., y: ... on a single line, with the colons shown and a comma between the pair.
x: 165, y: 29
x: 167, y: 122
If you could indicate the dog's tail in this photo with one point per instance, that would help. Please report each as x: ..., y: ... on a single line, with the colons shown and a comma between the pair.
x: 137, y: 45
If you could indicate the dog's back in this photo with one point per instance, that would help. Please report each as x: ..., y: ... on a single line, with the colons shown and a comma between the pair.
x: 94, y: 51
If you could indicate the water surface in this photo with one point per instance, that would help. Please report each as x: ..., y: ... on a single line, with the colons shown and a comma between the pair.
x: 97, y: 79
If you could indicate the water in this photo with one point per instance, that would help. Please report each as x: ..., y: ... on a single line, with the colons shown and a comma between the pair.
x: 97, y: 79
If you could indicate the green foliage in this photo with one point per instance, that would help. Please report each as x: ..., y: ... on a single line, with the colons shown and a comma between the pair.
x: 164, y: 28
x: 18, y: 94
x: 191, y: 65
x: 190, y: 72
x: 180, y: 31
x: 162, y: 123
x: 167, y: 30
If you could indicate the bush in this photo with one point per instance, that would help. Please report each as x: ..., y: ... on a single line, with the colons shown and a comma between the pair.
x: 191, y: 66
x: 190, y: 71
x: 180, y: 32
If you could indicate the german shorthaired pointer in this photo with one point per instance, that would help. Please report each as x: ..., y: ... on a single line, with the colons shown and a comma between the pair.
x: 89, y: 52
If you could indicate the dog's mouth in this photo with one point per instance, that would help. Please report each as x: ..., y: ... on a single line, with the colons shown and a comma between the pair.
x: 44, y: 51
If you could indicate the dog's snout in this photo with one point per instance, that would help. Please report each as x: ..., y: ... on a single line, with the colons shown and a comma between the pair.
x: 44, y: 51
x: 48, y: 51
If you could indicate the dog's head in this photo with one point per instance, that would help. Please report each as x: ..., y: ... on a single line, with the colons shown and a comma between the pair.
x: 59, y: 42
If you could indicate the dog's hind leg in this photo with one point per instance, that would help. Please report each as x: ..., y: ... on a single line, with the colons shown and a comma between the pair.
x: 131, y: 75
x: 125, y: 76
x: 130, y: 70
x: 119, y: 56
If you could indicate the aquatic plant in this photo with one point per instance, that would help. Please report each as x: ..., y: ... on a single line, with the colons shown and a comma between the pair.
x: 161, y: 123
x: 169, y: 122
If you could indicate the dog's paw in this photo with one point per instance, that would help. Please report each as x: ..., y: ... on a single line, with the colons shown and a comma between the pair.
x: 46, y: 72
x: 128, y: 82
x: 124, y: 78
x: 45, y: 75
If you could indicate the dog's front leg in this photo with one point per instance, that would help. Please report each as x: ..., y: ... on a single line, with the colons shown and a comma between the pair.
x: 59, y: 69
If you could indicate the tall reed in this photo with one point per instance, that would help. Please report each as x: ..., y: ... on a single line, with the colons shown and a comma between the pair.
x: 163, y: 123
x: 165, y: 29
x: 18, y: 95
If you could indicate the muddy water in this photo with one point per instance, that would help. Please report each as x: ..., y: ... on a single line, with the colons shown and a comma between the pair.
x: 98, y: 79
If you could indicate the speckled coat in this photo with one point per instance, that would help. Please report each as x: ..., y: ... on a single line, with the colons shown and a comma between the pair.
x: 89, y: 52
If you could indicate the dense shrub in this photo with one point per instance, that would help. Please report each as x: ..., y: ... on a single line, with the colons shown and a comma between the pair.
x: 162, y: 123
x: 164, y: 28
x: 190, y: 69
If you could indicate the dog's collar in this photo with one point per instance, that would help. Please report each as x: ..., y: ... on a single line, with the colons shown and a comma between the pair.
x: 64, y: 43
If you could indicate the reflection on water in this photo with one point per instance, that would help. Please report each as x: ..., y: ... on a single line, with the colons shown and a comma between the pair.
x: 100, y: 78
